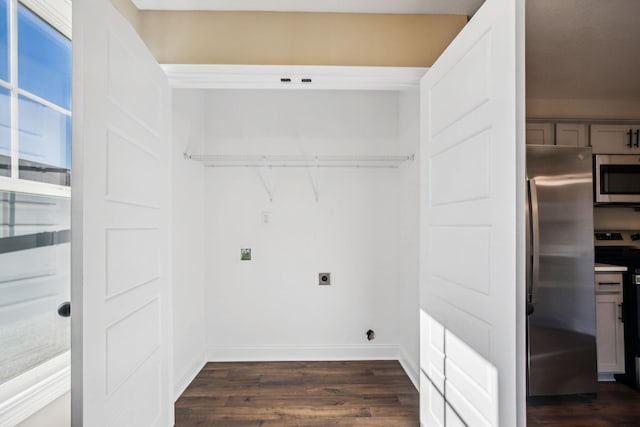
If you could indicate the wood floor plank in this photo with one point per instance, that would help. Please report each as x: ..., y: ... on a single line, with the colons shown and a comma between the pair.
x: 305, y: 394
x: 615, y: 405
x: 369, y: 394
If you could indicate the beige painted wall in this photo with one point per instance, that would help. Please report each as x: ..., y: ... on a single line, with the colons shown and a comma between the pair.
x: 584, y: 109
x: 129, y: 11
x: 297, y: 38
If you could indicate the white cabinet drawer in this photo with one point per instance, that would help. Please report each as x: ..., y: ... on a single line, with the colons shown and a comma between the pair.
x: 608, y: 282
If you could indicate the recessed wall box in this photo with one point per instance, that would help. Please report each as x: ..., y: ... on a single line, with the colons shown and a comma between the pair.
x: 324, y: 278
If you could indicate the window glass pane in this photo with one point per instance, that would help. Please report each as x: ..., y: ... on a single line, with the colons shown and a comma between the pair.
x: 5, y: 132
x: 45, y: 143
x: 44, y: 59
x: 4, y: 40
x: 35, y: 280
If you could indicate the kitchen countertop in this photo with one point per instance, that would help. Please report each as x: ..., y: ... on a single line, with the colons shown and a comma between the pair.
x: 608, y: 268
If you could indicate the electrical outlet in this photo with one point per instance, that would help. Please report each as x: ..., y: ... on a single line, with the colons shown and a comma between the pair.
x: 324, y: 278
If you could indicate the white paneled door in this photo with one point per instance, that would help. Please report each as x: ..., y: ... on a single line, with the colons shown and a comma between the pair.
x: 470, y: 178
x: 120, y: 217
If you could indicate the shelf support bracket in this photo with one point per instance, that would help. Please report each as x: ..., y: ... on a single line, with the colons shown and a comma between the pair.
x: 263, y: 173
x: 314, y: 179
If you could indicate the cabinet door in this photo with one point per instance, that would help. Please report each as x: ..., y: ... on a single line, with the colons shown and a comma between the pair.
x: 540, y: 134
x: 615, y: 139
x: 572, y: 134
x: 609, y: 333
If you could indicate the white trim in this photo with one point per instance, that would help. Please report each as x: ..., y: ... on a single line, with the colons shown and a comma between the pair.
x: 410, y: 368
x: 298, y: 353
x: 33, y: 187
x: 212, y: 76
x: 56, y: 13
x: 13, y: 80
x: 44, y: 102
x: 440, y: 7
x: 181, y: 385
x: 25, y: 395
x: 606, y: 377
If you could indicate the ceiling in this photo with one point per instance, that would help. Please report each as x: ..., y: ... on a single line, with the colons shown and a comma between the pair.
x: 587, y: 49
x: 454, y: 7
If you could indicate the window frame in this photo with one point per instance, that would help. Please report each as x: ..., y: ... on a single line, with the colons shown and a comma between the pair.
x: 56, y: 13
x: 28, y: 393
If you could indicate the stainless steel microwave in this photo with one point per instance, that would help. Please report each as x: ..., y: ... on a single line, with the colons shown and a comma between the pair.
x: 617, y: 178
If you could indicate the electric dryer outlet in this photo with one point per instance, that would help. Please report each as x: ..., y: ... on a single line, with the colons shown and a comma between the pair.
x: 324, y: 278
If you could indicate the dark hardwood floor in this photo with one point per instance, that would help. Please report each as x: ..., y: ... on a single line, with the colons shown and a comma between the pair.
x: 615, y: 405
x: 305, y: 394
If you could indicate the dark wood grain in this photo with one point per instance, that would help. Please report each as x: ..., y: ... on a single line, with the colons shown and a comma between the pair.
x: 305, y: 394
x: 615, y: 405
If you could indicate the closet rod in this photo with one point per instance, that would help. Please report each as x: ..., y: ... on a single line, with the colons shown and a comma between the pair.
x: 300, y: 161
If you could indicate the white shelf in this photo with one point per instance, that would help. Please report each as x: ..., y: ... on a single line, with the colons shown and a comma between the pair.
x: 275, y: 161
x: 264, y: 163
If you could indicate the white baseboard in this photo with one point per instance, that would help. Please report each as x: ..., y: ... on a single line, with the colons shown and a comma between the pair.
x: 27, y: 394
x: 410, y: 368
x: 299, y: 353
x: 195, y: 368
x: 606, y: 377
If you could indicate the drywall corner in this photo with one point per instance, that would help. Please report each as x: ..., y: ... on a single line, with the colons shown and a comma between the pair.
x: 189, y: 375
x: 410, y: 367
x: 188, y: 259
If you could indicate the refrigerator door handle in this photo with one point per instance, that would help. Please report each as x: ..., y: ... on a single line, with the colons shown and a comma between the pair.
x: 535, y: 244
x: 529, y: 251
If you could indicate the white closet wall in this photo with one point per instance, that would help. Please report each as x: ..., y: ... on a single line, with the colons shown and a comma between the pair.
x: 272, y: 306
x: 363, y: 228
x: 409, y: 290
x: 188, y: 249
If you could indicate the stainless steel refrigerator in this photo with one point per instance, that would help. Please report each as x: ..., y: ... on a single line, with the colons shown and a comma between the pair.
x: 561, y: 322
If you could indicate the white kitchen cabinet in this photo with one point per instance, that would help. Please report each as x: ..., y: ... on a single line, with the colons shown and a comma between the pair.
x: 616, y: 139
x: 540, y: 133
x: 571, y: 134
x: 609, y: 326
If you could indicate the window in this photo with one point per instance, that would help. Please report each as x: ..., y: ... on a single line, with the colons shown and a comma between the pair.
x: 35, y: 161
x: 5, y: 99
x: 34, y: 254
x: 35, y: 101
